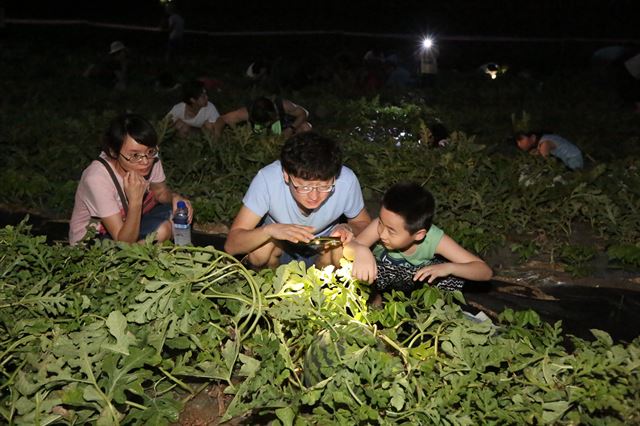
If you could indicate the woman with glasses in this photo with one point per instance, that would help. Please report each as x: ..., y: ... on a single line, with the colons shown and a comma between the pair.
x: 292, y: 201
x: 123, y: 194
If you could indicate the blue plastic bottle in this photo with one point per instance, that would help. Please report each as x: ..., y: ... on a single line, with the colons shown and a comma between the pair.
x: 181, y: 226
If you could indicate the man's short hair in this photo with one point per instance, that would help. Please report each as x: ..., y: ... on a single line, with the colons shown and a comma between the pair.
x: 310, y: 156
x: 413, y: 203
x: 192, y: 89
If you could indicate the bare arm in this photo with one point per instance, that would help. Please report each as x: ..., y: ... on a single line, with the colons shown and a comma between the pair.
x: 230, y: 119
x: 358, y: 250
x: 244, y: 237
x: 347, y: 231
x: 360, y: 222
x: 163, y: 194
x: 545, y: 147
x: 462, y: 263
x: 301, y: 115
x: 134, y: 187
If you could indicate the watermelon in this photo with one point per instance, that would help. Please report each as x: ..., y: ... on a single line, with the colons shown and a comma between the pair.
x: 331, y: 348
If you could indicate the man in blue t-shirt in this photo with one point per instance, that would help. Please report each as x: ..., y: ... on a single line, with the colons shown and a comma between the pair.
x: 295, y: 199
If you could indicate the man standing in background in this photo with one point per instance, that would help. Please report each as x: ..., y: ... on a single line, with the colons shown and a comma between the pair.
x: 175, y: 27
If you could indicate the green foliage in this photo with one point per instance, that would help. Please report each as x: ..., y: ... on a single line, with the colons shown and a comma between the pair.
x: 625, y: 253
x: 485, y: 199
x: 114, y: 333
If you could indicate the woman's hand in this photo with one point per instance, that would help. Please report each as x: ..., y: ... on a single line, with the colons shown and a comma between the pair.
x: 174, y: 202
x: 135, y: 186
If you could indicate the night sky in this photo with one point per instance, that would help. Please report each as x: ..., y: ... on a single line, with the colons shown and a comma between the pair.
x: 541, y: 18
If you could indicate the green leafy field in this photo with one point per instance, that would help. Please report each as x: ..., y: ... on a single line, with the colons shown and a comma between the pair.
x: 115, y: 334
x: 489, y: 196
x: 127, y: 334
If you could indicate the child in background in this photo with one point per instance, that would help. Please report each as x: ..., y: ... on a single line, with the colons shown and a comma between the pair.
x: 195, y: 111
x: 550, y: 144
x: 397, y: 250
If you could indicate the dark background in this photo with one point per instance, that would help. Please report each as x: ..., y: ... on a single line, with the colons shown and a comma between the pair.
x: 521, y: 18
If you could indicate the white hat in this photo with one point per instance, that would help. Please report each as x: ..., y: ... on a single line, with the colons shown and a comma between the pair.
x: 116, y: 46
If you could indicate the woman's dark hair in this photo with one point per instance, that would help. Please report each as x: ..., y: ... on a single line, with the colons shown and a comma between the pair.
x: 134, y: 125
x: 191, y: 89
x: 263, y: 111
x: 413, y: 203
x: 310, y: 156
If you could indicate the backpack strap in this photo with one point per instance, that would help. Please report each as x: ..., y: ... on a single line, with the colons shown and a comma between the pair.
x: 123, y: 198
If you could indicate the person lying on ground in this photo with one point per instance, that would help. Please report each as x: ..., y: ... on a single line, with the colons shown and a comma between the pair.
x: 550, y: 144
x: 402, y: 249
x: 295, y: 199
x: 123, y: 193
x: 275, y: 116
x: 195, y: 112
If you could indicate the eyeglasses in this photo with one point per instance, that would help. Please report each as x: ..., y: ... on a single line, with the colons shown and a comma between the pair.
x: 136, y: 157
x: 306, y: 189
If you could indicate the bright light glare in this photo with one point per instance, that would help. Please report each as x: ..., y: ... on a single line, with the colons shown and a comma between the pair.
x: 427, y: 43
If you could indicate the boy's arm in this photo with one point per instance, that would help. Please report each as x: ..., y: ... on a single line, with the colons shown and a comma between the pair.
x: 357, y: 250
x: 545, y: 147
x: 461, y: 264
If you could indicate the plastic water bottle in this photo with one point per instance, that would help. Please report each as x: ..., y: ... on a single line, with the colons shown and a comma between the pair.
x: 181, y: 226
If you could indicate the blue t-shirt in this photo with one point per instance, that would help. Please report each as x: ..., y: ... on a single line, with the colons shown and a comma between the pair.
x: 270, y: 197
x: 565, y: 151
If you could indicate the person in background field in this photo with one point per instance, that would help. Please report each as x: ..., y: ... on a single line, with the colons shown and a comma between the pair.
x: 293, y: 200
x: 374, y: 74
x: 398, y: 249
x: 123, y: 193
x: 398, y: 77
x: 195, y: 111
x: 174, y: 24
x: 550, y: 144
x: 276, y: 116
x: 112, y: 70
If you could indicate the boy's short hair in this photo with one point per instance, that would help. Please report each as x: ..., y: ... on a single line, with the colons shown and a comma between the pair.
x: 310, y: 156
x: 413, y: 203
x: 192, y: 89
x: 263, y: 111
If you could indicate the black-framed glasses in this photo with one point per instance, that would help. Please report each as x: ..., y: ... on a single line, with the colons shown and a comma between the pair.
x: 136, y: 157
x: 306, y: 189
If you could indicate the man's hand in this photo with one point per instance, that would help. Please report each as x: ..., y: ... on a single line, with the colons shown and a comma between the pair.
x: 134, y: 186
x: 433, y: 271
x: 293, y: 233
x: 343, y: 231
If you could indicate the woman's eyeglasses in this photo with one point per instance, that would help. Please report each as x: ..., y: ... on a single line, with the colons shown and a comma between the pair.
x: 136, y: 157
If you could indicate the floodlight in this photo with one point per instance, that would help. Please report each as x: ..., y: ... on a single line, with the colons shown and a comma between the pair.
x: 427, y: 43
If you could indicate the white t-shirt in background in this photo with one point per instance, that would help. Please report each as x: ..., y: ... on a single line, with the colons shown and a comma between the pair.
x: 207, y: 114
